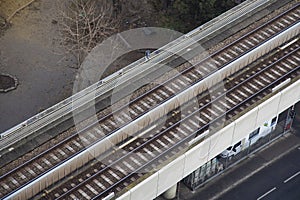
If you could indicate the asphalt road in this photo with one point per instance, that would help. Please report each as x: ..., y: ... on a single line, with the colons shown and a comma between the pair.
x: 280, y: 180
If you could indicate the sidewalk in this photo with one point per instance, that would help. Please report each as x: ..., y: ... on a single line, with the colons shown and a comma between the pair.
x: 243, y: 170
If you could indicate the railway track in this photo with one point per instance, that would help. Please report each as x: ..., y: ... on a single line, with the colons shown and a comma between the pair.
x: 41, y: 164
x: 143, y: 155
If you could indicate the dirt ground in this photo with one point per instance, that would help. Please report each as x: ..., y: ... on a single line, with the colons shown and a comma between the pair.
x: 30, y: 50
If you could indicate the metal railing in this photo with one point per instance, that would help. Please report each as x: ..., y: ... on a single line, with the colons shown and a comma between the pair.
x: 65, y: 107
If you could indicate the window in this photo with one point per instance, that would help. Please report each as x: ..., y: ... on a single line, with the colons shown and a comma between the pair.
x: 237, y: 144
x: 254, y: 133
x: 273, y: 121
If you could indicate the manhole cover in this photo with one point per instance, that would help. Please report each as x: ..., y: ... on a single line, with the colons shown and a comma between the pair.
x: 7, y: 82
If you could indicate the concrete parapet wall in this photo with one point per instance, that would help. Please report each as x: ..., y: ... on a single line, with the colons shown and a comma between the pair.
x: 61, y: 111
x: 215, y: 144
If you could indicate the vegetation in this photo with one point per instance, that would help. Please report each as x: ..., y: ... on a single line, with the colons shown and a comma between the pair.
x: 185, y: 15
x: 84, y: 24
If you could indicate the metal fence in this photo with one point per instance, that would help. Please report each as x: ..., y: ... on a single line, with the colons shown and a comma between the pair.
x: 217, y: 165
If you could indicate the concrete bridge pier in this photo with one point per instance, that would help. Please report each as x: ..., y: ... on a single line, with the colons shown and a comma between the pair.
x: 171, y: 192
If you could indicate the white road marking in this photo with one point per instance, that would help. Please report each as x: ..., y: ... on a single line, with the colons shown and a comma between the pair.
x: 262, y: 196
x: 291, y: 177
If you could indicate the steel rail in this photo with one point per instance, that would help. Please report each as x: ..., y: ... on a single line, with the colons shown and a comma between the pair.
x: 165, y: 82
x: 187, y: 117
x: 148, y: 93
x: 11, y: 132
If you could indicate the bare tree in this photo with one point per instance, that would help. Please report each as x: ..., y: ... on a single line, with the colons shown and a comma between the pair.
x: 84, y: 24
x: 3, y: 23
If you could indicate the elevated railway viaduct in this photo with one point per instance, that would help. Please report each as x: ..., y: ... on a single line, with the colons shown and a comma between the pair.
x: 208, y: 107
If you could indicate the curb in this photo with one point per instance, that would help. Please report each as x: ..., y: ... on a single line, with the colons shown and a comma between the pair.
x: 264, y: 165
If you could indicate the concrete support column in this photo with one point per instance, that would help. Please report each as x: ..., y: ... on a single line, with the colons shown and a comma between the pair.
x: 171, y: 192
x: 243, y: 144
